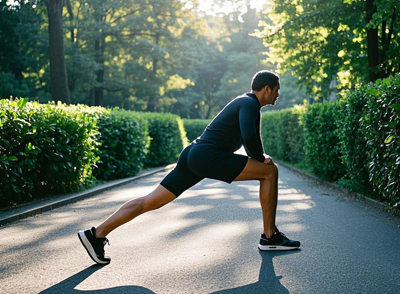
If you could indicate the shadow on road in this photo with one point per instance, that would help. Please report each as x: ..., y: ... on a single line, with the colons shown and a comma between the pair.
x: 267, y: 282
x: 68, y: 285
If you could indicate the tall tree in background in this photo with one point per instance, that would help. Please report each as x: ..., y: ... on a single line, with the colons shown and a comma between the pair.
x: 158, y: 55
x: 334, y: 45
x: 23, y: 50
x: 58, y: 72
x: 383, y: 44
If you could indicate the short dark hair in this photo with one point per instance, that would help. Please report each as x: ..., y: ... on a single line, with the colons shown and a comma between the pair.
x: 264, y: 78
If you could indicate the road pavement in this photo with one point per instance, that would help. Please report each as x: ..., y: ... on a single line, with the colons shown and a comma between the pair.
x: 206, y: 242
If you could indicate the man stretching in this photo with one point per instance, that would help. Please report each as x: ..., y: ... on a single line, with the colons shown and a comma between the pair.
x: 212, y: 156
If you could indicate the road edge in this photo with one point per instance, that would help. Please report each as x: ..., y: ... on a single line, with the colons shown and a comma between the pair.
x: 348, y: 193
x: 38, y: 207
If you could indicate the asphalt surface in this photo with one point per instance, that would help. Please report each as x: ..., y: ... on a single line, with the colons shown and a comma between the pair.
x: 206, y: 242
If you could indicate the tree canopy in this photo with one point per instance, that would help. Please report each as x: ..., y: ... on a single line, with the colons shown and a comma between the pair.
x: 169, y: 56
x: 333, y: 45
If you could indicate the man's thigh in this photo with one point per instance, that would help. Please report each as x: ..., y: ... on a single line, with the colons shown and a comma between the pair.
x: 256, y: 170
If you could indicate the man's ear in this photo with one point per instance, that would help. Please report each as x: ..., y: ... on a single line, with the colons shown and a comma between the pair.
x: 267, y: 89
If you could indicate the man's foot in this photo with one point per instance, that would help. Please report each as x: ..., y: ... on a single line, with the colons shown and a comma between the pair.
x: 278, y: 241
x: 94, y: 246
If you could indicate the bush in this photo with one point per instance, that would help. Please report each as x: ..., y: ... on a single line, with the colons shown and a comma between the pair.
x: 353, y: 143
x: 44, y: 149
x: 380, y: 125
x: 124, y: 138
x: 269, y: 133
x: 282, y: 133
x: 167, y: 138
x: 195, y: 127
x: 322, y: 149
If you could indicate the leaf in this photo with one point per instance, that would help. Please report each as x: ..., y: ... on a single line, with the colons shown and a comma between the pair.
x: 13, y: 158
x: 393, y: 124
x: 395, y: 106
x: 374, y: 92
x: 22, y: 102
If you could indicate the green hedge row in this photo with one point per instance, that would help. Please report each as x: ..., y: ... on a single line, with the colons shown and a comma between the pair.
x: 282, y: 133
x: 195, y: 127
x: 167, y: 138
x: 355, y: 141
x: 48, y: 149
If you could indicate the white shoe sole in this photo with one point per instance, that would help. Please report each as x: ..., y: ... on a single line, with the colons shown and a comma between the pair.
x: 275, y: 248
x: 85, y: 242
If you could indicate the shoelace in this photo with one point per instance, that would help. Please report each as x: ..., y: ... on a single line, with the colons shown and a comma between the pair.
x: 280, y: 233
x: 106, y: 242
x: 277, y: 232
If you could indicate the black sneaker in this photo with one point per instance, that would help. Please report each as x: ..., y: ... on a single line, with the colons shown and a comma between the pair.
x: 278, y: 241
x: 94, y: 246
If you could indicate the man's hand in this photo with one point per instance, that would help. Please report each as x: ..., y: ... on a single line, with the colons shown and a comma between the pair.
x: 268, y: 160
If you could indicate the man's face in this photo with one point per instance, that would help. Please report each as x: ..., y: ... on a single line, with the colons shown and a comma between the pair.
x: 271, y: 95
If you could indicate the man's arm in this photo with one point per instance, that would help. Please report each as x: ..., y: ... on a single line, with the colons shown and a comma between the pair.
x: 249, y: 128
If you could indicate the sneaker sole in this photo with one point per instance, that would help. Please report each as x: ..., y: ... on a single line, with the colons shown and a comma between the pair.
x: 275, y: 248
x: 85, y: 242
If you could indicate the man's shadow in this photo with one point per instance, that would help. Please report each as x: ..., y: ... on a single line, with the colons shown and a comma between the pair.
x: 68, y: 285
x: 267, y: 282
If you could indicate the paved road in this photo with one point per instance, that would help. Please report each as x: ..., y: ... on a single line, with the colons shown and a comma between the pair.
x: 206, y: 242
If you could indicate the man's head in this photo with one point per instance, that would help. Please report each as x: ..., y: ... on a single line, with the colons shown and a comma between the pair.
x: 264, y: 78
x: 265, y: 85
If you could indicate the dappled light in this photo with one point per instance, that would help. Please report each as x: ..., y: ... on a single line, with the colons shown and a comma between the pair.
x: 203, y: 242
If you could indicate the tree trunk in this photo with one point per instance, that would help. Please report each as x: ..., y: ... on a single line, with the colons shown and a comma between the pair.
x: 99, y: 89
x: 58, y: 71
x: 372, y: 43
x: 152, y: 100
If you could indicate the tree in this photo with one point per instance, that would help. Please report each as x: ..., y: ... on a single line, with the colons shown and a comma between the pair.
x: 383, y: 45
x: 23, y: 47
x: 325, y: 48
x: 58, y: 72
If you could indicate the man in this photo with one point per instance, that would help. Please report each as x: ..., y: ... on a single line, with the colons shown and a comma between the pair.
x: 212, y: 156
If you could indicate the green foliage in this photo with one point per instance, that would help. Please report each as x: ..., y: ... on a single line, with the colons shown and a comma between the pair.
x: 329, y: 51
x: 380, y: 125
x: 282, y: 133
x: 167, y: 138
x: 195, y: 127
x: 269, y: 132
x: 353, y: 142
x: 322, y: 149
x: 123, y: 138
x: 44, y: 149
x: 129, y: 54
x: 49, y: 149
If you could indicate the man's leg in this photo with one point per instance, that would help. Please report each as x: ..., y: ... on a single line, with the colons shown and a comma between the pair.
x: 133, y: 208
x: 267, y: 174
x: 175, y: 183
x: 94, y: 239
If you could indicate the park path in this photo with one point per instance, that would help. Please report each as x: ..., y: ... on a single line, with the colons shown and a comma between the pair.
x: 206, y: 242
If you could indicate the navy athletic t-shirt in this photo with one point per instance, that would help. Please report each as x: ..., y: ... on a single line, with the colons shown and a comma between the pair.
x: 237, y: 124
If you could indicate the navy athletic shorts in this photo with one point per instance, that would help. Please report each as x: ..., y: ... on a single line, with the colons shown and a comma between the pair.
x: 202, y: 160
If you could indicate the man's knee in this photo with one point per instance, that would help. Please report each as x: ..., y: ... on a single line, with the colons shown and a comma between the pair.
x: 271, y: 171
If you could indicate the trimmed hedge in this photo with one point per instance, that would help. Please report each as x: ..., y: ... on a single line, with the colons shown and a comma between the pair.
x: 167, y: 138
x: 123, y: 137
x: 44, y: 149
x: 282, y: 133
x: 322, y: 150
x: 195, y: 127
x: 380, y: 125
x: 355, y: 141
x: 48, y: 149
